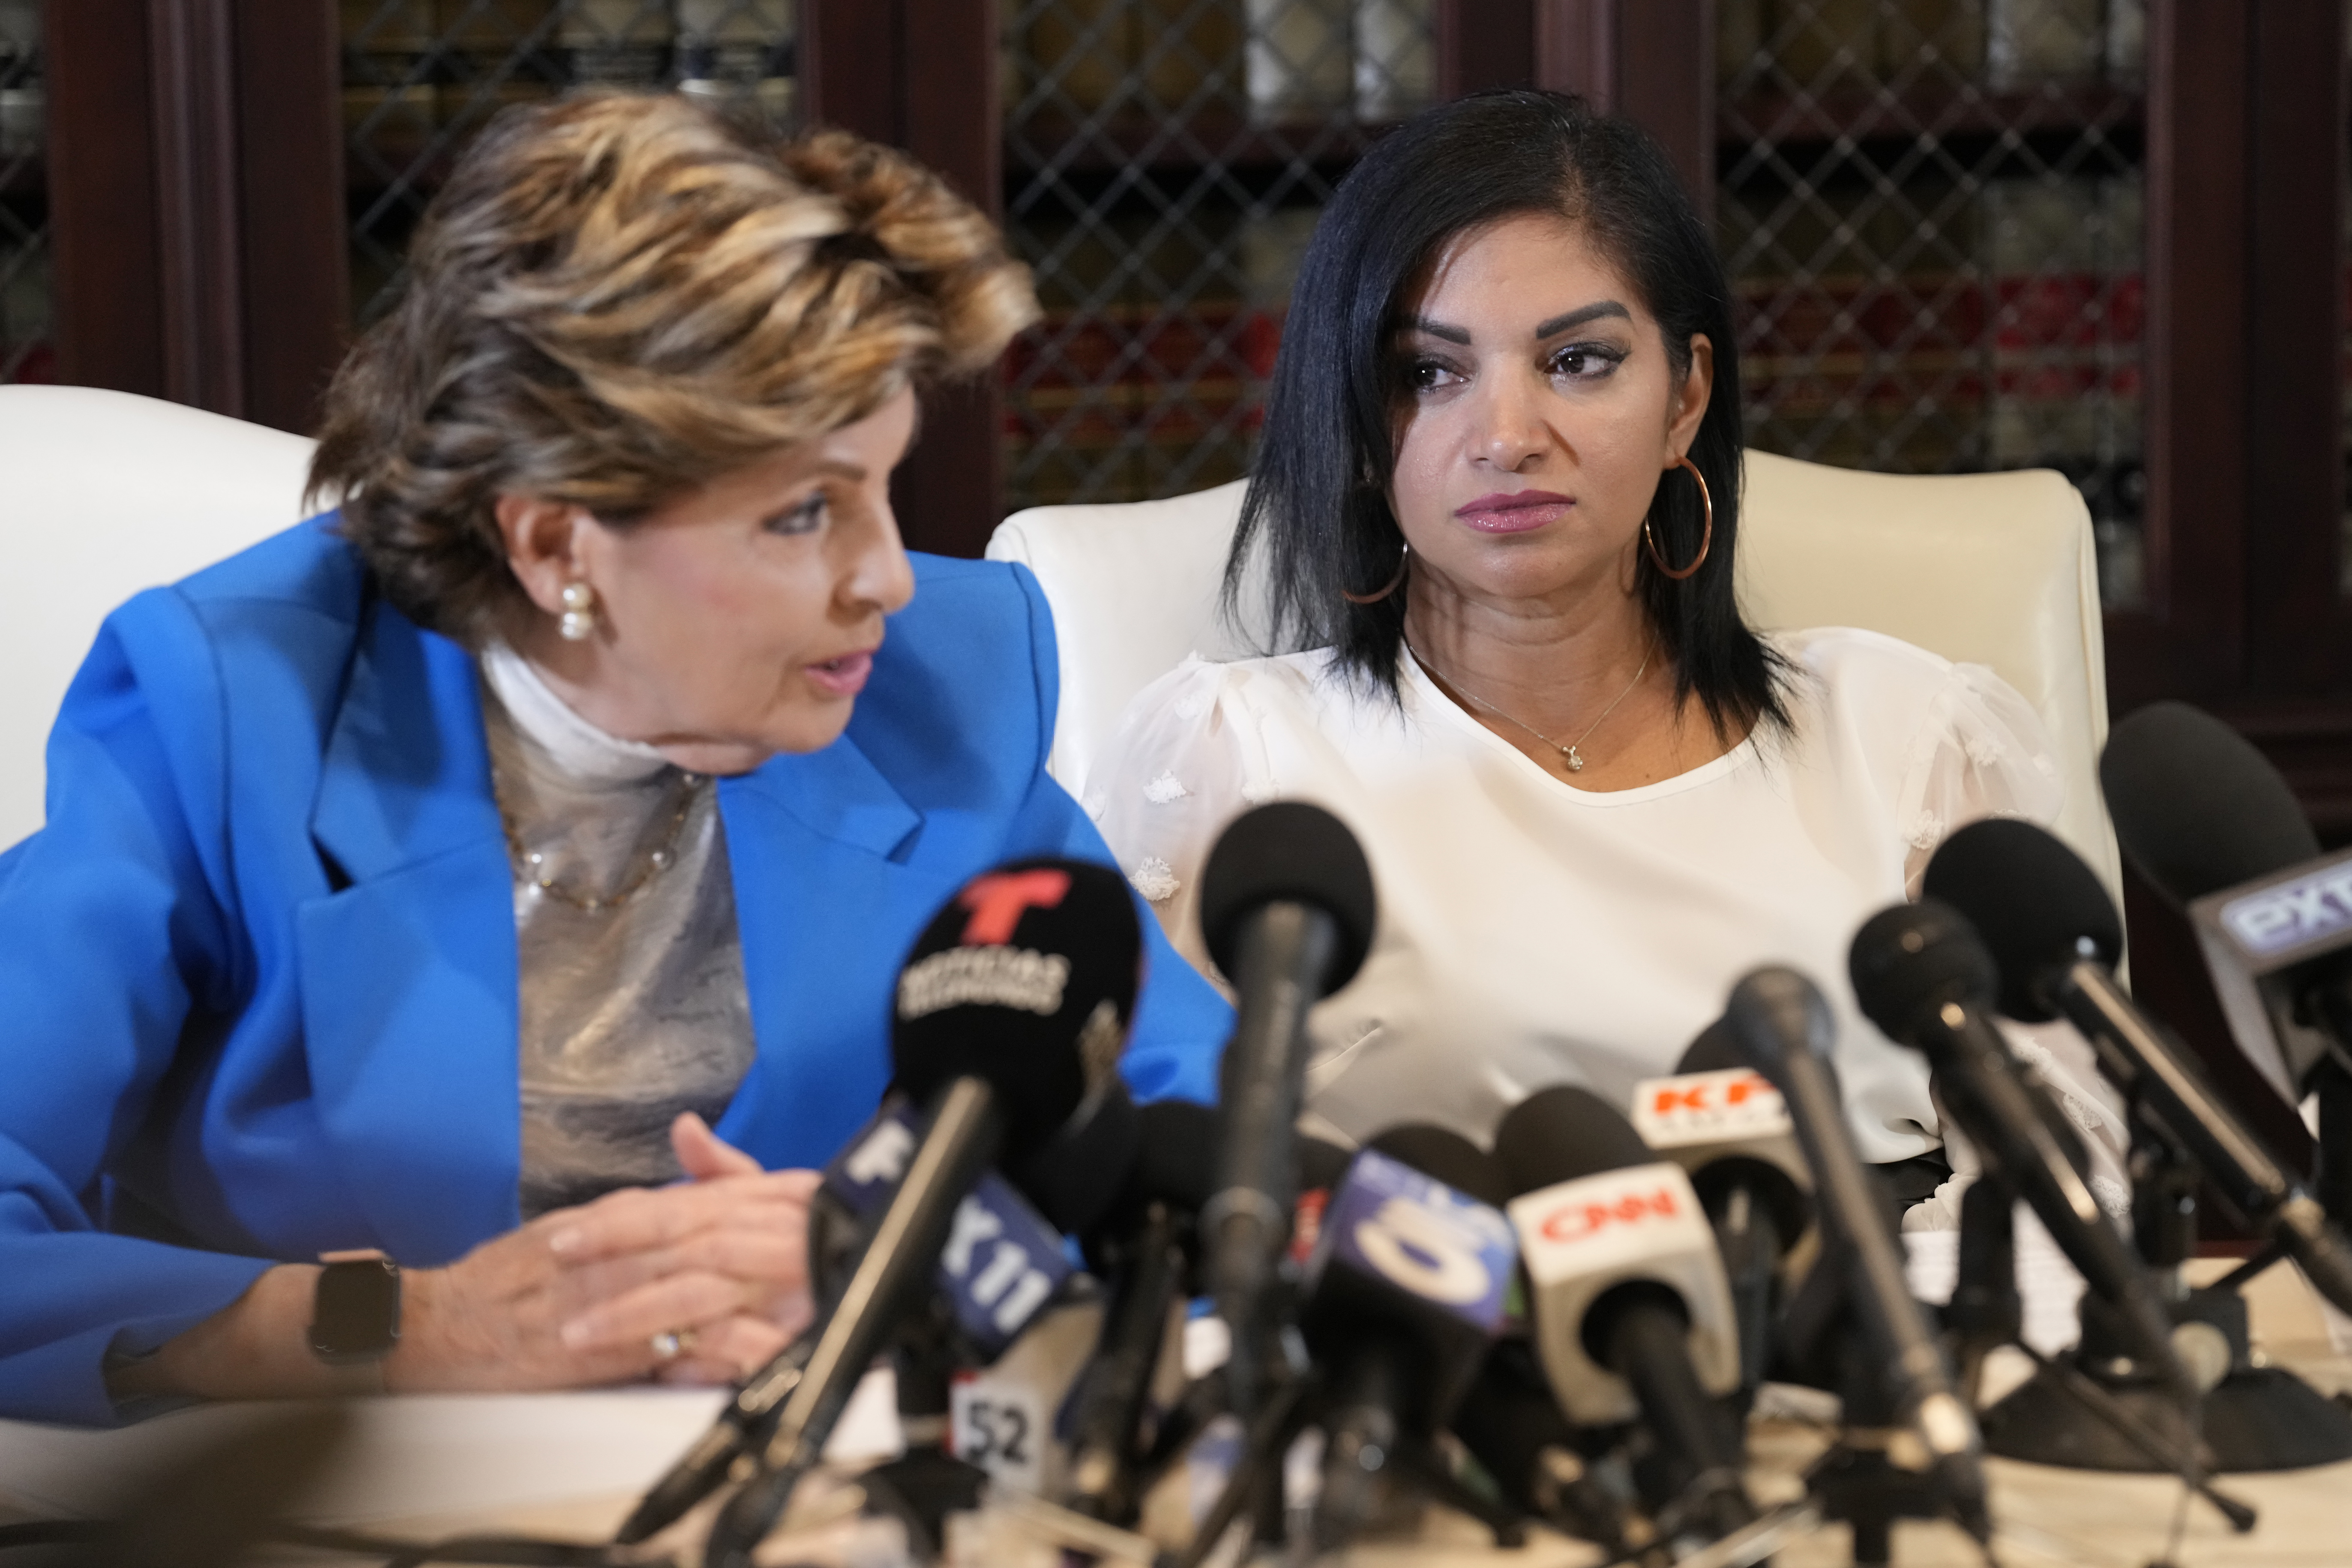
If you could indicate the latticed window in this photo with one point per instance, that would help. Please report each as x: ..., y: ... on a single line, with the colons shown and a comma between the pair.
x: 28, y: 351
x: 1165, y: 160
x: 1931, y: 210
x: 421, y: 77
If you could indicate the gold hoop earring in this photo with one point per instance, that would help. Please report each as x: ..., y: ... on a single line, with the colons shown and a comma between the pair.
x: 1706, y: 540
x: 1404, y: 559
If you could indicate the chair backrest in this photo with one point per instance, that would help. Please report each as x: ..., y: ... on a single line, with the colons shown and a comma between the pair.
x: 1991, y: 569
x: 105, y: 494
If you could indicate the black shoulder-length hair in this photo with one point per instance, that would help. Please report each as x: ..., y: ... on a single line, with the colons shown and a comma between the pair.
x: 1318, y: 501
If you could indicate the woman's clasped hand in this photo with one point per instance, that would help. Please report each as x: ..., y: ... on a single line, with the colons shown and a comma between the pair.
x: 699, y: 1282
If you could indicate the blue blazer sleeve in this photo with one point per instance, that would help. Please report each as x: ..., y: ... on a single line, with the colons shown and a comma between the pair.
x: 114, y: 943
x: 257, y: 987
x: 1181, y: 1022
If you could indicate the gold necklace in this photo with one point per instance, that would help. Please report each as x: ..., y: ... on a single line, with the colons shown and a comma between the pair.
x: 1569, y: 754
x: 532, y: 863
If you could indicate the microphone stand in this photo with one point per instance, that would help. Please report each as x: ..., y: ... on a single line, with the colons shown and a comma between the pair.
x: 1859, y: 1479
x: 925, y: 1484
x: 1865, y: 1479
x: 2251, y: 1418
x: 1986, y: 1313
x: 1255, y: 1481
x: 1269, y: 1438
x: 2332, y: 1182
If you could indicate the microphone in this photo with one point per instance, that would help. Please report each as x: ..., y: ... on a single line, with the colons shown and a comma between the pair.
x: 1001, y: 1264
x: 2197, y: 808
x: 1142, y: 1249
x: 2205, y: 817
x: 1630, y: 1311
x: 1922, y: 976
x: 1405, y: 1296
x: 1779, y: 1022
x: 1288, y: 911
x: 1011, y: 1012
x: 1511, y: 1425
x: 2054, y: 934
x: 1725, y: 1124
x: 1321, y: 1166
x: 1002, y: 1261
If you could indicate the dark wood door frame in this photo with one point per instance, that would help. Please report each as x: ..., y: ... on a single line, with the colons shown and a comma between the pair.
x: 294, y: 263
x: 2188, y: 641
x: 2298, y: 635
x: 103, y: 212
x: 198, y: 207
x: 192, y: 64
x: 921, y: 75
x: 1485, y: 43
x: 1652, y: 61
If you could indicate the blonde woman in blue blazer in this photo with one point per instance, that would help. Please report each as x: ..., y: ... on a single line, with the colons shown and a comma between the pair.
x: 496, y: 888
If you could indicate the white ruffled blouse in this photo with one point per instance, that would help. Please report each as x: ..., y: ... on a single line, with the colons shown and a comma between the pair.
x: 1531, y: 933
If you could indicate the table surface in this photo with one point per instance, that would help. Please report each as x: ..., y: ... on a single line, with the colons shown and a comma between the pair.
x: 570, y: 1466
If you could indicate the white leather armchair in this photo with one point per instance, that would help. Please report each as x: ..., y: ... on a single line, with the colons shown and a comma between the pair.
x: 102, y: 494
x: 1991, y: 569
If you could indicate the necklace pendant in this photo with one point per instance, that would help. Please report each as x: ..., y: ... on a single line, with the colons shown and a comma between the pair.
x: 1575, y: 763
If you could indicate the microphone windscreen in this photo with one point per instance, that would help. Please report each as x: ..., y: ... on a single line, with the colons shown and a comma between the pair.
x: 1175, y: 1154
x: 1441, y: 1152
x: 2195, y: 807
x: 1321, y: 1163
x: 1290, y: 852
x: 1562, y: 1133
x: 1714, y: 1050
x: 2031, y: 899
x: 1026, y: 978
x: 1912, y: 957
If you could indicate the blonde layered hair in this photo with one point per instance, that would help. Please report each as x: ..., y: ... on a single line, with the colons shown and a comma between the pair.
x: 616, y: 299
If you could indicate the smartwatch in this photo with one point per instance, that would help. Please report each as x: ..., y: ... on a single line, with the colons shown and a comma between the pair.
x: 355, y: 1311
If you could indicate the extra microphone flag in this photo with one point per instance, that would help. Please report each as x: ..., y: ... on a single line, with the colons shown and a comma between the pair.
x: 2259, y: 938
x: 2210, y: 822
x: 1717, y: 1125
x: 1002, y: 1261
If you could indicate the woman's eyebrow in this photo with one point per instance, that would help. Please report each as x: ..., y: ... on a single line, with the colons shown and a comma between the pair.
x: 1551, y: 328
x: 1578, y: 317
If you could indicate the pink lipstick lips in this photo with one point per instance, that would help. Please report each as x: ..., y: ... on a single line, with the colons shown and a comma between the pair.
x: 843, y: 676
x: 1514, y: 512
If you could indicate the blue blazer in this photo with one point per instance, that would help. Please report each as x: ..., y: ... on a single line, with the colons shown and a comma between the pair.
x: 257, y: 989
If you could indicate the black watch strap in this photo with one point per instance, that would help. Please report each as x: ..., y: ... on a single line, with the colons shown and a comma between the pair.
x: 356, y: 1309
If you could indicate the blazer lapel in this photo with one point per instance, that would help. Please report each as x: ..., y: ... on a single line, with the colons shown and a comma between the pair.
x: 828, y: 896
x: 408, y: 972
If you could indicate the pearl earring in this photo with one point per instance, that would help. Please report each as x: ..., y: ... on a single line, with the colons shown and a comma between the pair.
x: 578, y: 621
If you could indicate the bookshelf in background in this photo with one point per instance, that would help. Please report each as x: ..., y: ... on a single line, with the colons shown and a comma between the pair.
x: 421, y: 78
x: 27, y: 311
x: 1164, y: 164
x: 1933, y: 213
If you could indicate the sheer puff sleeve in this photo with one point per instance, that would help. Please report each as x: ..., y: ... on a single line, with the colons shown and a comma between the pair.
x: 1187, y: 758
x: 1972, y: 746
x: 1949, y: 744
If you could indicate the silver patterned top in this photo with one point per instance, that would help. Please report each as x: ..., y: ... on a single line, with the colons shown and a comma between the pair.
x: 633, y: 1012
